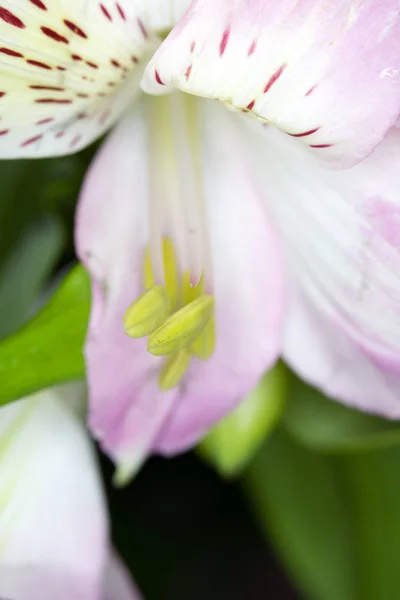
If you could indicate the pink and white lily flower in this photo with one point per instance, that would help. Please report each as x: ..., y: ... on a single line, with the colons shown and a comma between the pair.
x: 54, y: 538
x: 218, y: 240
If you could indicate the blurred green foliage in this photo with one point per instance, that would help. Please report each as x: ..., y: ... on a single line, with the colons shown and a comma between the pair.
x: 49, y: 348
x: 335, y: 520
x: 233, y: 442
x: 328, y: 426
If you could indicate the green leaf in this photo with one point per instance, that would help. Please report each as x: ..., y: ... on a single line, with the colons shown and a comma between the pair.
x: 374, y: 481
x: 233, y: 442
x: 48, y: 350
x: 328, y: 426
x: 302, y: 504
x: 26, y: 269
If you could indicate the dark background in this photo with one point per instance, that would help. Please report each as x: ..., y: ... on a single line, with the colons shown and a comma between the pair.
x: 185, y: 533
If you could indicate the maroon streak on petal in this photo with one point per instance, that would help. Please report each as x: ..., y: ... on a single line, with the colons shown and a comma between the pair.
x: 305, y: 133
x: 11, y: 19
x: 75, y: 29
x: 274, y: 78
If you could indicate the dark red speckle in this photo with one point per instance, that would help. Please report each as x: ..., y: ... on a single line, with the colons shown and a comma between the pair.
x: 274, y: 78
x: 121, y: 12
x: 224, y: 41
x: 158, y: 78
x: 142, y: 28
x: 45, y: 121
x: 11, y: 19
x: 54, y: 35
x: 252, y: 48
x: 37, y: 63
x: 2, y: 94
x: 32, y: 140
x: 4, y: 132
x: 53, y: 101
x: 75, y: 29
x: 321, y: 145
x: 47, y: 87
x: 310, y: 91
x: 75, y: 141
x: 10, y: 52
x: 105, y: 12
x: 188, y: 72
x: 305, y: 133
x: 39, y: 4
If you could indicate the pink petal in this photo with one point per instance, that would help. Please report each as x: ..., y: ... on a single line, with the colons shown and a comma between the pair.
x: 342, y: 232
x: 127, y: 408
x: 323, y: 355
x: 248, y: 286
x: 52, y: 520
x: 328, y: 73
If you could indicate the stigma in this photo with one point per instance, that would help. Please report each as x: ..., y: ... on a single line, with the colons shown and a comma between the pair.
x: 176, y: 309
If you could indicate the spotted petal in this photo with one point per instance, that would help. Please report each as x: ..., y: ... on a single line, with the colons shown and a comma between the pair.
x: 343, y: 243
x: 327, y: 73
x: 68, y: 68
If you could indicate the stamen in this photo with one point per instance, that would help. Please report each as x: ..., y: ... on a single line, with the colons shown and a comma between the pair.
x: 181, y: 328
x: 174, y: 369
x: 177, y: 310
x: 147, y: 313
x: 203, y: 347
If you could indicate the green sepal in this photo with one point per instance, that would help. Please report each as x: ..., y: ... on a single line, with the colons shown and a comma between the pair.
x: 232, y: 443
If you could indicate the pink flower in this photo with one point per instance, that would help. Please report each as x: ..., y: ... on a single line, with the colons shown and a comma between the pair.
x: 231, y: 237
x: 54, y: 538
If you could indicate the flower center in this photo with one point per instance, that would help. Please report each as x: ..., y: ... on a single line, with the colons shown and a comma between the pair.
x: 176, y: 309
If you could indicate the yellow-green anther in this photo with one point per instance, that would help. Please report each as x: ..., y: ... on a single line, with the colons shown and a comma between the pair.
x: 174, y: 368
x: 204, y: 345
x: 147, y: 313
x: 182, y: 328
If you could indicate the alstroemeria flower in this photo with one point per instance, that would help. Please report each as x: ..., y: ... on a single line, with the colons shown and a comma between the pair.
x: 193, y: 216
x: 53, y: 525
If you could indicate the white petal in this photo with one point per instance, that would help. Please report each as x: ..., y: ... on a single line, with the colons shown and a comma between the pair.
x: 52, y: 513
x: 67, y: 70
x: 342, y: 238
x: 118, y: 584
x: 328, y: 72
x: 161, y: 15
